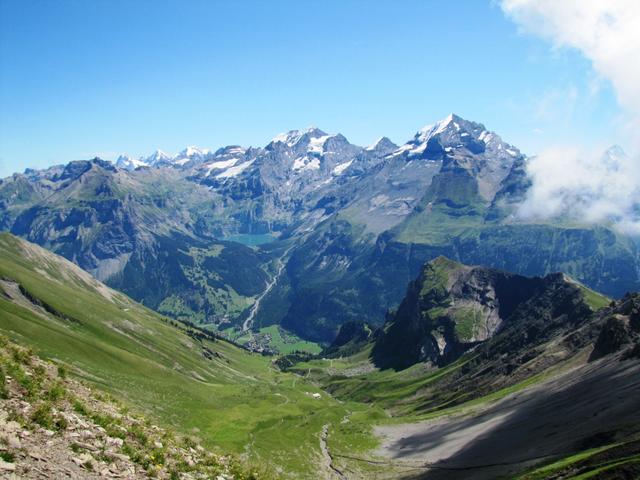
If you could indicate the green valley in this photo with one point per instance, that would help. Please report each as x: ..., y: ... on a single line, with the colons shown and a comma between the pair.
x: 234, y: 400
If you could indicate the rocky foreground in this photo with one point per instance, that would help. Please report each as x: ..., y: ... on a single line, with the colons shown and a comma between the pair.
x: 54, y: 427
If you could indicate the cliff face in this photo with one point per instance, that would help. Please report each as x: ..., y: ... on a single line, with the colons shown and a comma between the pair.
x: 450, y: 308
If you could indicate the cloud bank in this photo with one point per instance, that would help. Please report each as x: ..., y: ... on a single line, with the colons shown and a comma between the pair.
x: 579, y: 184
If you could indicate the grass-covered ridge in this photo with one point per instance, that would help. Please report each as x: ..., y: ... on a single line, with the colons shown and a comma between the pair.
x: 235, y: 401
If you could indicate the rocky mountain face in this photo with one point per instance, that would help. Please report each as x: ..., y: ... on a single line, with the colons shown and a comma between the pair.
x: 356, y: 224
x: 451, y: 308
x: 442, y: 193
x: 529, y: 358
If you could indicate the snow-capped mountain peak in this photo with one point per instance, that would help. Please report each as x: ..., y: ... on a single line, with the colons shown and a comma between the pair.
x: 452, y: 125
x: 439, y: 127
x: 453, y: 133
x: 125, y: 162
x: 192, y: 151
x: 382, y: 143
x: 157, y: 157
x: 309, y: 158
x: 191, y: 155
x: 292, y: 137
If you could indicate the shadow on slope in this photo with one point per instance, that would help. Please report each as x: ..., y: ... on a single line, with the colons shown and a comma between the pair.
x: 594, y: 405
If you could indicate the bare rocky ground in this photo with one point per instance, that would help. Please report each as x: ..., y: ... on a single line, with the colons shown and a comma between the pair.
x: 53, y: 427
x: 590, y: 405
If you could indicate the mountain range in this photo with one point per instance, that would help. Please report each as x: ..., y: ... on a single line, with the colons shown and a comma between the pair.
x: 307, y: 233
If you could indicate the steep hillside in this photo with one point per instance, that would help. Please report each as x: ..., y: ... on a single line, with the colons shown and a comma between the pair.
x: 52, y: 426
x: 181, y: 377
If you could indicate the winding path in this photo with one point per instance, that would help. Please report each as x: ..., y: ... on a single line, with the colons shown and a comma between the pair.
x: 327, y: 459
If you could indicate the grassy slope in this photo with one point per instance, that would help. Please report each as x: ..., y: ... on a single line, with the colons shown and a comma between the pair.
x: 235, y: 401
x: 37, y: 396
x: 594, y: 299
x: 398, y: 392
x: 624, y: 457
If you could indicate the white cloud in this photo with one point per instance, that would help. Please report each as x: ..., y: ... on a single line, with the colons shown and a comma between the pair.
x: 607, y: 32
x: 585, y: 187
x: 555, y: 103
x: 571, y: 182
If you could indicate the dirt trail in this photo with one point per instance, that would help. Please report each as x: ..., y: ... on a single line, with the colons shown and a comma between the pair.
x: 332, y: 472
x: 286, y: 399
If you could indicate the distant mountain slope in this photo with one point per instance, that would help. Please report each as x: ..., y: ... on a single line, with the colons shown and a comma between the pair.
x: 145, y: 233
x: 454, y: 191
x: 356, y: 224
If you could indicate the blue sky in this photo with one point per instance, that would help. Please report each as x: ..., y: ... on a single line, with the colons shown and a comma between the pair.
x: 85, y: 78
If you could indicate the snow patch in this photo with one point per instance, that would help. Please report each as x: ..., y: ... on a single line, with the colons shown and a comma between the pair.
x: 128, y: 163
x: 439, y: 127
x: 419, y: 143
x: 220, y: 165
x: 316, y: 145
x: 192, y: 151
x: 485, y: 137
x: 338, y: 169
x: 374, y: 145
x: 235, y: 170
x: 306, y: 163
